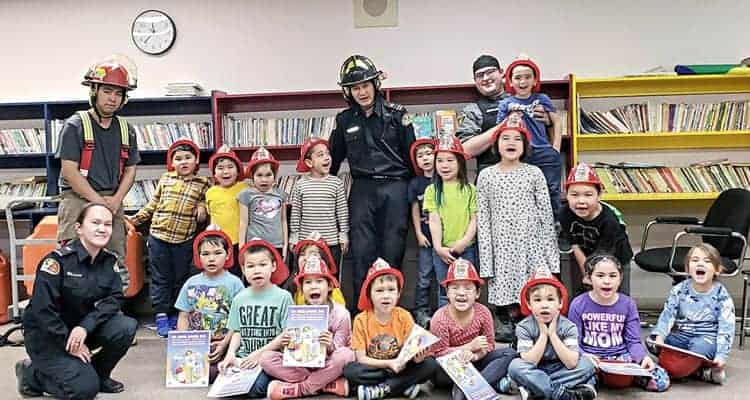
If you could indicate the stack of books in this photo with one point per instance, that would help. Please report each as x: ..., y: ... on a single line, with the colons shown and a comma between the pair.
x: 252, y: 132
x: 668, y: 117
x: 703, y: 177
x: 22, y: 141
x: 184, y: 89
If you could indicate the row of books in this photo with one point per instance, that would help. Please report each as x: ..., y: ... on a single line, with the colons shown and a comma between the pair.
x: 140, y: 193
x: 696, y: 178
x: 25, y: 188
x: 432, y: 124
x: 158, y: 135
x: 22, y: 141
x: 251, y: 132
x: 668, y: 117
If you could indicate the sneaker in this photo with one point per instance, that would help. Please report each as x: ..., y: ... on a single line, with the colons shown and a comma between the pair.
x: 507, y: 386
x: 524, y: 393
x: 422, y: 318
x: 457, y: 394
x: 581, y: 392
x: 412, y: 391
x: 23, y: 378
x: 504, y: 332
x: 162, y: 324
x: 712, y: 375
x: 278, y: 390
x: 339, y: 387
x: 373, y: 392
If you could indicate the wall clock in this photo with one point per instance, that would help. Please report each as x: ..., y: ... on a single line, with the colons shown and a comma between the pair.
x: 153, y: 32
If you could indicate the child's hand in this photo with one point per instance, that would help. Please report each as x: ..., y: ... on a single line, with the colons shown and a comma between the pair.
x: 552, y: 328
x: 419, y: 357
x: 200, y: 213
x: 251, y: 361
x: 228, y: 362
x: 395, y: 366
x: 217, y: 352
x: 344, y: 247
x: 466, y: 356
x: 284, y: 339
x: 445, y: 254
x: 586, y: 280
x: 459, y: 247
x: 422, y: 240
x: 543, y: 330
x: 326, y: 339
x: 541, y: 115
x: 479, y: 343
x: 648, y: 363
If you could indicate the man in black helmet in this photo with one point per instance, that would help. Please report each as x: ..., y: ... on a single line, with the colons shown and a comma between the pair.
x: 374, y: 135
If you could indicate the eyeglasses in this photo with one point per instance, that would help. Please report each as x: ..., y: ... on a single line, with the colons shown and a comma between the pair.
x: 479, y: 75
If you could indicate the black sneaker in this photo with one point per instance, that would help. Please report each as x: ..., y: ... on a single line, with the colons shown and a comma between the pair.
x: 24, y: 379
x: 582, y: 392
x: 422, y: 318
x: 109, y: 385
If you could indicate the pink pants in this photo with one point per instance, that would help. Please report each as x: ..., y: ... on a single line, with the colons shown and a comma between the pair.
x: 311, y: 380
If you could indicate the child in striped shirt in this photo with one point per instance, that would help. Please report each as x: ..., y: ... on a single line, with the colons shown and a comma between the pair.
x: 319, y: 202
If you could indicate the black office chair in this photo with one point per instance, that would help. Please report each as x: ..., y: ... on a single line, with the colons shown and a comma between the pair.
x: 725, y: 227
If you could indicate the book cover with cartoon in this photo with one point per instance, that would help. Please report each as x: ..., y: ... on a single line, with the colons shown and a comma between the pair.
x: 418, y: 340
x: 187, y: 359
x: 466, y: 377
x: 304, y: 324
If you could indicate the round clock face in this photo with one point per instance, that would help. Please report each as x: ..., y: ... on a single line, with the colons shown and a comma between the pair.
x: 153, y: 32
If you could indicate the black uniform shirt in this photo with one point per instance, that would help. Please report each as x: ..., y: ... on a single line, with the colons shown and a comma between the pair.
x: 376, y: 146
x: 70, y: 290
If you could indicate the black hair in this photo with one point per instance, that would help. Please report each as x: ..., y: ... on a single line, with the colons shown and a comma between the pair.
x: 258, y: 249
x: 256, y: 166
x: 594, y: 259
x: 184, y: 147
x: 238, y: 166
x: 85, y: 211
x: 462, y: 177
x: 215, y: 240
x: 526, y: 145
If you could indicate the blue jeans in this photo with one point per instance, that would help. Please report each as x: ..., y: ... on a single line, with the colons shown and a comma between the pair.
x: 549, y: 161
x: 441, y: 270
x: 425, y: 272
x: 695, y: 343
x: 549, y: 379
x: 260, y: 387
x: 170, y: 268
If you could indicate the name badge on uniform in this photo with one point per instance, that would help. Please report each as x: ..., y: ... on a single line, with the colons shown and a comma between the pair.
x: 72, y: 274
x: 353, y: 129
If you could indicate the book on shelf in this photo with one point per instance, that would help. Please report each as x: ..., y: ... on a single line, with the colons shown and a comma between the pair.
x: 26, y: 187
x: 650, y: 117
x: 701, y: 177
x: 252, y: 131
x: 22, y: 141
x: 140, y: 193
x: 157, y: 135
x: 184, y: 89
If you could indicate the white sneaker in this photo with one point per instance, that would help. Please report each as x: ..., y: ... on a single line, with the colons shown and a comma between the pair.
x: 524, y: 393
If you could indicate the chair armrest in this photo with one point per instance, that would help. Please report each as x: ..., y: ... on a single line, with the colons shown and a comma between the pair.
x: 705, y: 230
x: 678, y: 220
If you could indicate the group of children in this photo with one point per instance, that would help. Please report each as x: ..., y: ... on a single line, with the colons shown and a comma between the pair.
x: 505, y: 224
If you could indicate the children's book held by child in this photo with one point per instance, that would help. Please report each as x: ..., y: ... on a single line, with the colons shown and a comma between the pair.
x: 683, y: 352
x: 234, y: 382
x: 187, y: 359
x: 622, y: 368
x: 304, y: 324
x: 466, y: 377
x: 418, y: 340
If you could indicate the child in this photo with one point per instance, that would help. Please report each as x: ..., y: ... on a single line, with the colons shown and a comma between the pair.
x: 590, y: 226
x: 319, y: 202
x: 258, y: 313
x: 699, y: 314
x: 263, y: 207
x: 423, y: 160
x: 465, y: 325
x: 204, y: 299
x: 316, y: 283
x: 523, y: 81
x: 609, y: 327
x: 174, y: 211
x: 379, y: 332
x: 315, y: 246
x: 221, y: 198
x: 515, y: 225
x: 451, y: 202
x: 550, y: 364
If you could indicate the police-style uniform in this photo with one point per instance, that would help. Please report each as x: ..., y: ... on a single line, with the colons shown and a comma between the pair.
x: 72, y: 289
x: 377, y: 150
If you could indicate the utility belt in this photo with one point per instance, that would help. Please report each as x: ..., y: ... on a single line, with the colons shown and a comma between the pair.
x: 382, y: 178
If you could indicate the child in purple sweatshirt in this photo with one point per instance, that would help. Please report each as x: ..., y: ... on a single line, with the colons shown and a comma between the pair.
x: 608, y: 323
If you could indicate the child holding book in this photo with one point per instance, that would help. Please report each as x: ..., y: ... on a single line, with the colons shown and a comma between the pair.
x: 378, y: 335
x: 592, y: 227
x: 221, y: 198
x: 175, y: 211
x: 515, y: 225
x: 451, y: 202
x: 205, y: 299
x: 423, y: 161
x: 699, y: 313
x: 311, y: 246
x: 258, y: 313
x: 319, y: 202
x: 466, y: 326
x: 523, y: 82
x: 263, y: 206
x: 609, y: 327
x: 550, y: 365
x: 316, y: 282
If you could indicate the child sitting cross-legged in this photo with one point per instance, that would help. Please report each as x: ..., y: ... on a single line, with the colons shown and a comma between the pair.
x: 379, y: 333
x: 316, y: 283
x: 467, y: 326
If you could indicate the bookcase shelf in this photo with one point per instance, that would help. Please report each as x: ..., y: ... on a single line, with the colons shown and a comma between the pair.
x: 661, y: 85
x: 663, y: 140
x: 641, y: 197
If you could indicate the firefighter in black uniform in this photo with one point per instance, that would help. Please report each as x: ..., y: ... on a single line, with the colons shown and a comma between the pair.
x: 74, y: 309
x: 374, y: 135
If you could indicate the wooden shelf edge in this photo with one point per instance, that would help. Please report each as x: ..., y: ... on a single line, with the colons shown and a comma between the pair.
x: 685, y: 196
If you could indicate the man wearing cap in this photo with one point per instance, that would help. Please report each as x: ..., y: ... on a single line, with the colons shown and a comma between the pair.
x: 479, y: 118
x: 374, y: 136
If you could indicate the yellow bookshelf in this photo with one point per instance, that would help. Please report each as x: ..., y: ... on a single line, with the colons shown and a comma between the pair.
x: 664, y: 140
x: 658, y: 196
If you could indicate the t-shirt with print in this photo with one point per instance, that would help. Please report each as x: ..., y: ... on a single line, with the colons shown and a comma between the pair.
x: 381, y: 341
x: 207, y: 301
x: 258, y: 317
x: 264, y: 211
x: 415, y: 192
x: 603, y: 234
x: 608, y: 330
x: 527, y: 333
x: 224, y: 208
x: 526, y: 106
x: 456, y: 209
